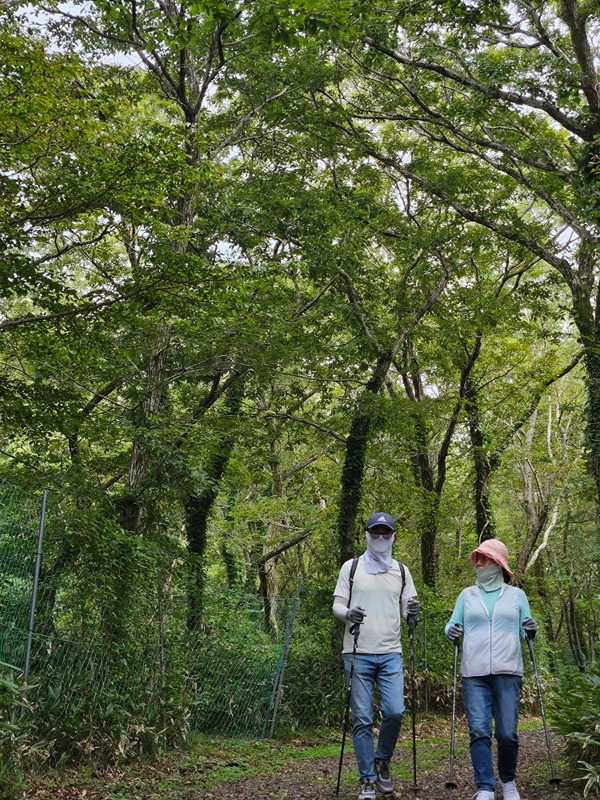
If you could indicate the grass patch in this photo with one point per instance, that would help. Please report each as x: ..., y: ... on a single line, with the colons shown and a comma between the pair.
x: 206, y: 764
x: 209, y: 763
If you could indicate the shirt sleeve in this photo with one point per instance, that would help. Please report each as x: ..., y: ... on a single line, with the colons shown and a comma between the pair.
x: 458, y: 615
x: 340, y: 610
x: 524, y: 610
x: 342, y: 587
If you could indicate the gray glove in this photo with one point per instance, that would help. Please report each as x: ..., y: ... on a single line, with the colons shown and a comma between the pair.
x: 454, y: 633
x: 530, y: 627
x: 412, y: 611
x: 413, y: 607
x: 355, y: 615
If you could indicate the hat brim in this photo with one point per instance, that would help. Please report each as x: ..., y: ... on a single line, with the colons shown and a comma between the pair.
x: 501, y: 562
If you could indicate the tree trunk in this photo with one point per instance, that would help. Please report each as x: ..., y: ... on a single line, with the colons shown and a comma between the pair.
x: 267, y: 575
x: 575, y: 632
x: 483, y: 509
x: 429, y: 557
x: 425, y: 481
x: 199, y: 506
x: 587, y: 320
x: 129, y: 504
x: 231, y: 567
x: 354, y: 461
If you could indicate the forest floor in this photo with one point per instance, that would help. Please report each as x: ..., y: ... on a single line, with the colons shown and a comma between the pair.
x: 303, y: 768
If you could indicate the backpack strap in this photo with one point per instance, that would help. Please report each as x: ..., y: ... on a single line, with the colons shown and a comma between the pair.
x: 351, y: 579
x: 403, y: 573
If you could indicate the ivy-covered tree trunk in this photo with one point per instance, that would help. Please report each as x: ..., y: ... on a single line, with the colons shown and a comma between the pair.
x: 199, y: 506
x: 592, y: 365
x: 129, y: 504
x: 358, y: 437
x: 354, y: 461
x: 482, y: 468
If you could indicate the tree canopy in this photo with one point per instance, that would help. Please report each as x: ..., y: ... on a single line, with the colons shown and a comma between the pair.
x: 268, y: 267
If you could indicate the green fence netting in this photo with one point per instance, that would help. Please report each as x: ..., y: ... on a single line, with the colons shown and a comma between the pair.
x: 19, y: 526
x: 85, y: 691
x: 222, y: 680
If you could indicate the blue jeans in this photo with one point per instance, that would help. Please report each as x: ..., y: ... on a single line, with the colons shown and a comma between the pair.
x: 485, y: 697
x: 386, y: 672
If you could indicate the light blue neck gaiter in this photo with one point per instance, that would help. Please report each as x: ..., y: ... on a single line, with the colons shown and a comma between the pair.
x: 490, y: 578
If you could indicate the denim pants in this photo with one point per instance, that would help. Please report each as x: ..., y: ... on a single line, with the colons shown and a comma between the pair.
x: 386, y: 672
x: 485, y: 697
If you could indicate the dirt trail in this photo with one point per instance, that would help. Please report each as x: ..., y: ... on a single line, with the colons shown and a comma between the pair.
x: 316, y: 780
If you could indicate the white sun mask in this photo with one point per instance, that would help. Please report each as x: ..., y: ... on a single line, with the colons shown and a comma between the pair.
x: 378, y: 556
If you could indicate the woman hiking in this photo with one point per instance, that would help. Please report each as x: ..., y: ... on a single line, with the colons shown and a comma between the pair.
x: 493, y: 616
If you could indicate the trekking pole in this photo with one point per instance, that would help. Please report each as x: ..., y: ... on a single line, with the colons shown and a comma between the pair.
x: 411, y: 622
x: 354, y: 630
x: 553, y: 778
x: 451, y: 783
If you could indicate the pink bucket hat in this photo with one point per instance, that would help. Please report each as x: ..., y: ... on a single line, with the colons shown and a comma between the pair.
x: 496, y: 551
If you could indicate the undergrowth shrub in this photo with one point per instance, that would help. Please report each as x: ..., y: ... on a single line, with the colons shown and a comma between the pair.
x: 575, y: 714
x: 12, y: 739
x: 103, y: 704
x: 314, y: 680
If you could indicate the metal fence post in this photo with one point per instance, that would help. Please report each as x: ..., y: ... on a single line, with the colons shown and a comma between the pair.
x: 278, y: 684
x: 36, y: 581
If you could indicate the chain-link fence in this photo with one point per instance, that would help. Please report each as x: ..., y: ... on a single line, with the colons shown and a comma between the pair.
x: 86, y: 692
x: 141, y: 695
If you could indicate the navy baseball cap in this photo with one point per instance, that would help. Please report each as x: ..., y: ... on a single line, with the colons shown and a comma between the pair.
x: 380, y: 518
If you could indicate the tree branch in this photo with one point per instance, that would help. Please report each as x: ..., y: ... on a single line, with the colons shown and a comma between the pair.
x: 494, y: 92
x: 283, y: 547
x: 309, y: 423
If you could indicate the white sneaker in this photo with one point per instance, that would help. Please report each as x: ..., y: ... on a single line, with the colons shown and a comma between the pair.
x: 510, y: 791
x: 484, y: 794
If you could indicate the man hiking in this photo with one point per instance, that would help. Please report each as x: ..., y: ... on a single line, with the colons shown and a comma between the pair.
x: 375, y: 591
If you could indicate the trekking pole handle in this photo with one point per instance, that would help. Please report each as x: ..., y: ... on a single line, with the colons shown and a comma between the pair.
x: 355, y: 631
